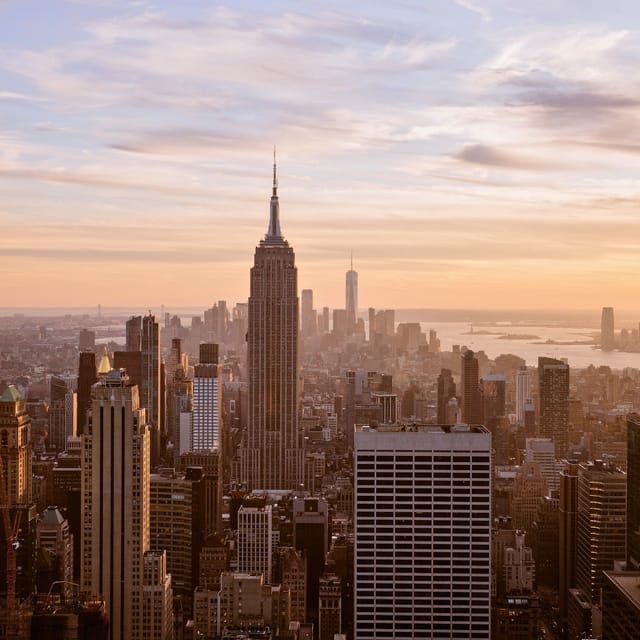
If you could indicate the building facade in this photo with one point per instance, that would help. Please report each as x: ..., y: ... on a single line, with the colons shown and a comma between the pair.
x: 423, y: 533
x: 255, y: 541
x: 607, y: 330
x: 115, y: 502
x: 272, y: 456
x: 351, y: 299
x: 207, y: 407
x: 600, y: 524
x: 470, y: 389
x: 553, y: 390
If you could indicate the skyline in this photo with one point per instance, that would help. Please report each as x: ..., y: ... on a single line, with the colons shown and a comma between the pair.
x: 490, y: 146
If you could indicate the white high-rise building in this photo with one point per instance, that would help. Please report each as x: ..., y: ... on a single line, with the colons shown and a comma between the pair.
x: 423, y: 532
x: 207, y: 401
x: 523, y: 393
x: 255, y: 540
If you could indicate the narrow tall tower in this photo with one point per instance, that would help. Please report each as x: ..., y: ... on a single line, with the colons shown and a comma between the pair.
x: 607, y: 330
x: 272, y: 456
x: 470, y: 389
x: 115, y: 499
x: 523, y: 393
x: 115, y: 512
x: 351, y: 298
x: 553, y: 389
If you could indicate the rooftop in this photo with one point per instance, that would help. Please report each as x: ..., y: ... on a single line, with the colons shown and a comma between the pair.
x: 423, y: 428
x: 628, y: 582
x: 11, y: 394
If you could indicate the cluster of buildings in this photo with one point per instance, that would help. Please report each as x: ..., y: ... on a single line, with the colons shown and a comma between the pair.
x: 275, y: 471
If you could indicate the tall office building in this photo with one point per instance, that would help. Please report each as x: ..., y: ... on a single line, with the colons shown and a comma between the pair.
x: 87, y: 340
x: 567, y: 538
x: 553, y: 391
x: 308, y: 314
x: 600, y: 524
x: 150, y: 387
x: 255, y: 540
x: 621, y: 605
x: 311, y: 535
x: 115, y: 505
x: 15, y: 446
x: 493, y: 396
x: 87, y: 377
x: 54, y: 535
x: 523, y: 393
x: 57, y: 438
x: 181, y: 400
x: 423, y: 533
x: 207, y: 401
x: 351, y: 298
x: 133, y: 328
x: 446, y: 391
x: 607, y: 330
x: 273, y: 455
x: 175, y: 358
x: 543, y: 451
x: 329, y: 607
x: 633, y: 492
x: 470, y: 389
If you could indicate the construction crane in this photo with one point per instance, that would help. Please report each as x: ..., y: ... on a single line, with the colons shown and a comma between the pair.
x: 11, y: 528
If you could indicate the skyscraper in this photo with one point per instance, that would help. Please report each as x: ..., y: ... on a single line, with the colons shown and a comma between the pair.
x: 134, y: 333
x: 87, y: 376
x: 470, y: 389
x: 115, y: 505
x: 633, y: 492
x: 553, y: 389
x: 309, y: 323
x: 255, y: 540
x: 272, y: 455
x: 423, y: 533
x: 600, y: 524
x: 607, y: 330
x: 57, y: 438
x: 15, y: 446
x: 207, y: 401
x: 351, y: 298
x: 150, y: 387
x: 523, y: 393
x: 493, y: 397
x: 567, y: 538
x: 446, y: 391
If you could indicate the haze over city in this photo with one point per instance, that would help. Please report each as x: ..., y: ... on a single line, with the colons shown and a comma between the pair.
x: 472, y: 155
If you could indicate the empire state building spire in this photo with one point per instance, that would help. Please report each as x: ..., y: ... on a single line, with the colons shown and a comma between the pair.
x: 274, y: 233
x: 272, y: 454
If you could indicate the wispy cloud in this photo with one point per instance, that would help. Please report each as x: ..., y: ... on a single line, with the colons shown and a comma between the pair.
x: 414, y: 129
x: 483, y: 12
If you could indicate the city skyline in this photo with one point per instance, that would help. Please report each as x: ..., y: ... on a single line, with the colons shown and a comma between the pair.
x: 472, y: 155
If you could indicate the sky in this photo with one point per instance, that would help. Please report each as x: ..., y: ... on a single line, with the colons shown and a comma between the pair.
x: 471, y: 153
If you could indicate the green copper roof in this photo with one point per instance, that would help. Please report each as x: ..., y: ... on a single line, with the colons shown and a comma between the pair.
x: 11, y: 394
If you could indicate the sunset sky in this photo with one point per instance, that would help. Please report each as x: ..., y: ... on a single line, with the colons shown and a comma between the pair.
x: 471, y: 153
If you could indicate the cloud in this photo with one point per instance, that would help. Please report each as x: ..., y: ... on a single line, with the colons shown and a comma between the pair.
x: 483, y: 12
x: 187, y: 255
x: 491, y: 156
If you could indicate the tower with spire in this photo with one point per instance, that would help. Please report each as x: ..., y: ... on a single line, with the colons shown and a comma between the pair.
x: 272, y: 455
x: 351, y: 298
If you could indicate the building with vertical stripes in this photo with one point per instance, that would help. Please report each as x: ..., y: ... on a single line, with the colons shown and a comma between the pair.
x: 115, y: 504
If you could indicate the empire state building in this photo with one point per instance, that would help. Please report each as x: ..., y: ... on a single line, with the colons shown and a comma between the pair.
x: 272, y: 456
